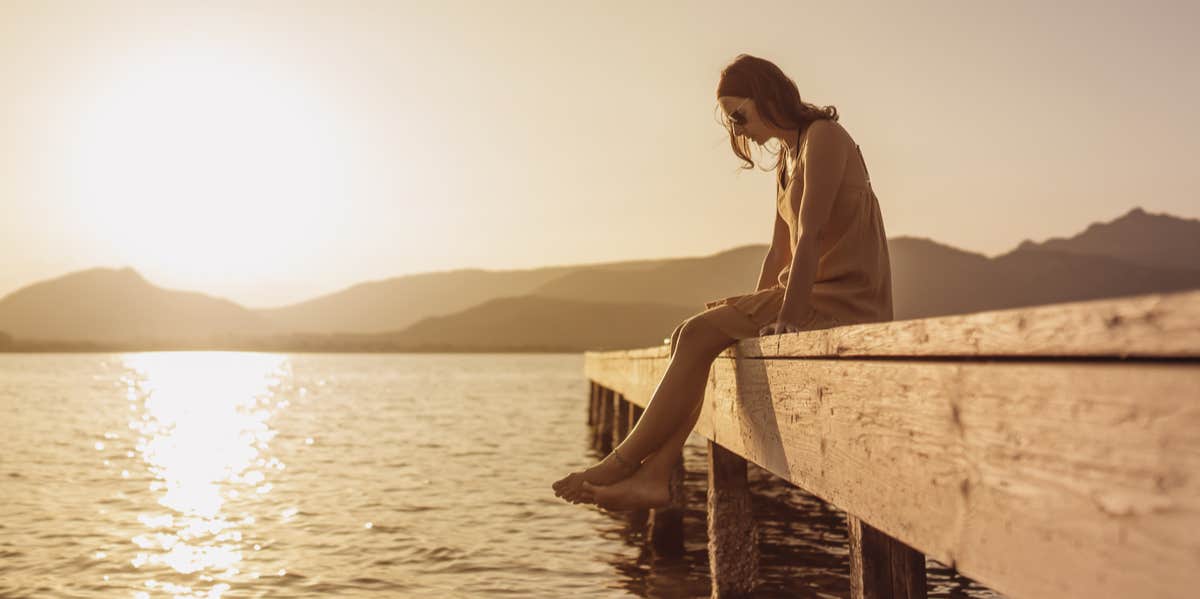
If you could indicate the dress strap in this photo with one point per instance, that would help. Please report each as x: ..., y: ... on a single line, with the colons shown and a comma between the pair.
x: 864, y: 162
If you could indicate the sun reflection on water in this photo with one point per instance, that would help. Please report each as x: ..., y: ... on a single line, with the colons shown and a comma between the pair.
x: 203, y: 426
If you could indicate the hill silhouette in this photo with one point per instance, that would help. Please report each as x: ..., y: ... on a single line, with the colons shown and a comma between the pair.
x: 398, y: 302
x: 105, y: 304
x: 536, y: 322
x: 1138, y: 237
x: 683, y: 281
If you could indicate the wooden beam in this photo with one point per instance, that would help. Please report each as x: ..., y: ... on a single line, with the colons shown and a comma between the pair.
x: 1145, y: 326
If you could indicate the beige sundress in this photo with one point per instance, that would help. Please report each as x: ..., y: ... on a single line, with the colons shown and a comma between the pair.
x: 853, y: 282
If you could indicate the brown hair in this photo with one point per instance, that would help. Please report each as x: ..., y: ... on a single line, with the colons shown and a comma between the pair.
x: 776, y: 97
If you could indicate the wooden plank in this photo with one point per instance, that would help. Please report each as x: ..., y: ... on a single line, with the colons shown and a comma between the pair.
x: 882, y: 567
x: 732, y: 532
x: 1039, y: 479
x: 1155, y: 325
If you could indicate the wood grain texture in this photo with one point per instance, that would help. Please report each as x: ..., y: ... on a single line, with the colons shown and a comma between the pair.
x: 1155, y: 326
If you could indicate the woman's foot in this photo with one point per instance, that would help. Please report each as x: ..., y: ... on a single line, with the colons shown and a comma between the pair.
x: 607, y: 472
x: 644, y: 490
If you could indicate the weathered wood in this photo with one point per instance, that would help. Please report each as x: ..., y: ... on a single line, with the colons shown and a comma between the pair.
x: 666, y: 524
x: 1042, y: 479
x: 732, y: 533
x: 882, y: 567
x: 1159, y: 325
x: 604, y: 432
x: 621, y: 425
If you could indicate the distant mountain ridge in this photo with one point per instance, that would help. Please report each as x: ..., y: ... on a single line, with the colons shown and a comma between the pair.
x: 1138, y: 237
x: 620, y: 304
x: 536, y: 321
x: 395, y: 303
x: 107, y: 304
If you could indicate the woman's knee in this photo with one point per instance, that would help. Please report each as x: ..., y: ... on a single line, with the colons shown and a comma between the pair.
x: 675, y: 337
x: 699, y: 334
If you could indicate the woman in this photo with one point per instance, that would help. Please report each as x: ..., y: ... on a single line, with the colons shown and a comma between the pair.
x: 828, y: 265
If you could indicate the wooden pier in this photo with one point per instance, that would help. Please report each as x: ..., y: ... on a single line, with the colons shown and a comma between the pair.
x: 1048, y: 452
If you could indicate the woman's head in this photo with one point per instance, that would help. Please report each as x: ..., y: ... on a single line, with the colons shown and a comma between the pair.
x: 759, y: 102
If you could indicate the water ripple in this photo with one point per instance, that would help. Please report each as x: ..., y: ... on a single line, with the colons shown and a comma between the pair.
x: 220, y: 473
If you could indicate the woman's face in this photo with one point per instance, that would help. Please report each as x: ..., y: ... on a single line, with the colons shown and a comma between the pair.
x: 742, y: 114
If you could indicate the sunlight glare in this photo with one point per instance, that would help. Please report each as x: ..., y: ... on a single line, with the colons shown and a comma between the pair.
x: 203, y: 434
x: 176, y: 145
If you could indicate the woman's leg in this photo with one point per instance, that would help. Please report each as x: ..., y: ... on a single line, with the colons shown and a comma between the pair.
x: 672, y: 410
x: 679, y: 393
x: 608, y: 470
x: 649, y: 486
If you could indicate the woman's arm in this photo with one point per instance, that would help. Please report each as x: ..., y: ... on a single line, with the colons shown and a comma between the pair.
x: 824, y: 158
x: 777, y: 257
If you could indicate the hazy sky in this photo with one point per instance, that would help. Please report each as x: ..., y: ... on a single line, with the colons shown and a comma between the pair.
x: 269, y: 152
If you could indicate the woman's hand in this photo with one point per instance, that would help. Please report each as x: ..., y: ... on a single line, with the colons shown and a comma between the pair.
x: 780, y: 327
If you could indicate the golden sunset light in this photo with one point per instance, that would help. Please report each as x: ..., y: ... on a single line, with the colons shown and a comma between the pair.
x: 207, y: 156
x: 580, y: 298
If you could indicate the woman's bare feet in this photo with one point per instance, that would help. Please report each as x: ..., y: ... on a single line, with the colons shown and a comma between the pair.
x: 607, y: 472
x: 646, y: 489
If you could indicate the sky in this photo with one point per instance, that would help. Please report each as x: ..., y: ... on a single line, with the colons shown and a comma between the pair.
x: 271, y: 152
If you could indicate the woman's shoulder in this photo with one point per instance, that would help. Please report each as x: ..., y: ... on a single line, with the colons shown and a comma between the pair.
x: 827, y: 130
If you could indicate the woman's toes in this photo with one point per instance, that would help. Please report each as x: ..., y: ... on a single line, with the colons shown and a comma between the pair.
x: 566, y: 484
x: 586, y: 493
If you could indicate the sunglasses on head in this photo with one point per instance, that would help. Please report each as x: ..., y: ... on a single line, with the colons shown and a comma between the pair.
x: 736, y: 117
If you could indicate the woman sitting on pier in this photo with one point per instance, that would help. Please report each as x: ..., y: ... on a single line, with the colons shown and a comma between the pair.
x: 828, y: 265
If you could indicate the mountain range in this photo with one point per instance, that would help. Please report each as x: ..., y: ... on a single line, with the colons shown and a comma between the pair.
x: 573, y: 308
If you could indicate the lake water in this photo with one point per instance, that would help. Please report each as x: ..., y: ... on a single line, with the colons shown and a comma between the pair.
x: 232, y: 474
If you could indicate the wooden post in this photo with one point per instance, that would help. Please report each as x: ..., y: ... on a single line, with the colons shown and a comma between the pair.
x: 604, y: 432
x: 593, y: 399
x: 637, y: 518
x: 666, y: 523
x: 732, y: 532
x: 882, y: 567
x: 622, y: 420
x: 597, y: 405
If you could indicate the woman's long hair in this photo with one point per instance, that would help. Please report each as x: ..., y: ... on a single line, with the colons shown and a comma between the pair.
x: 777, y: 99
